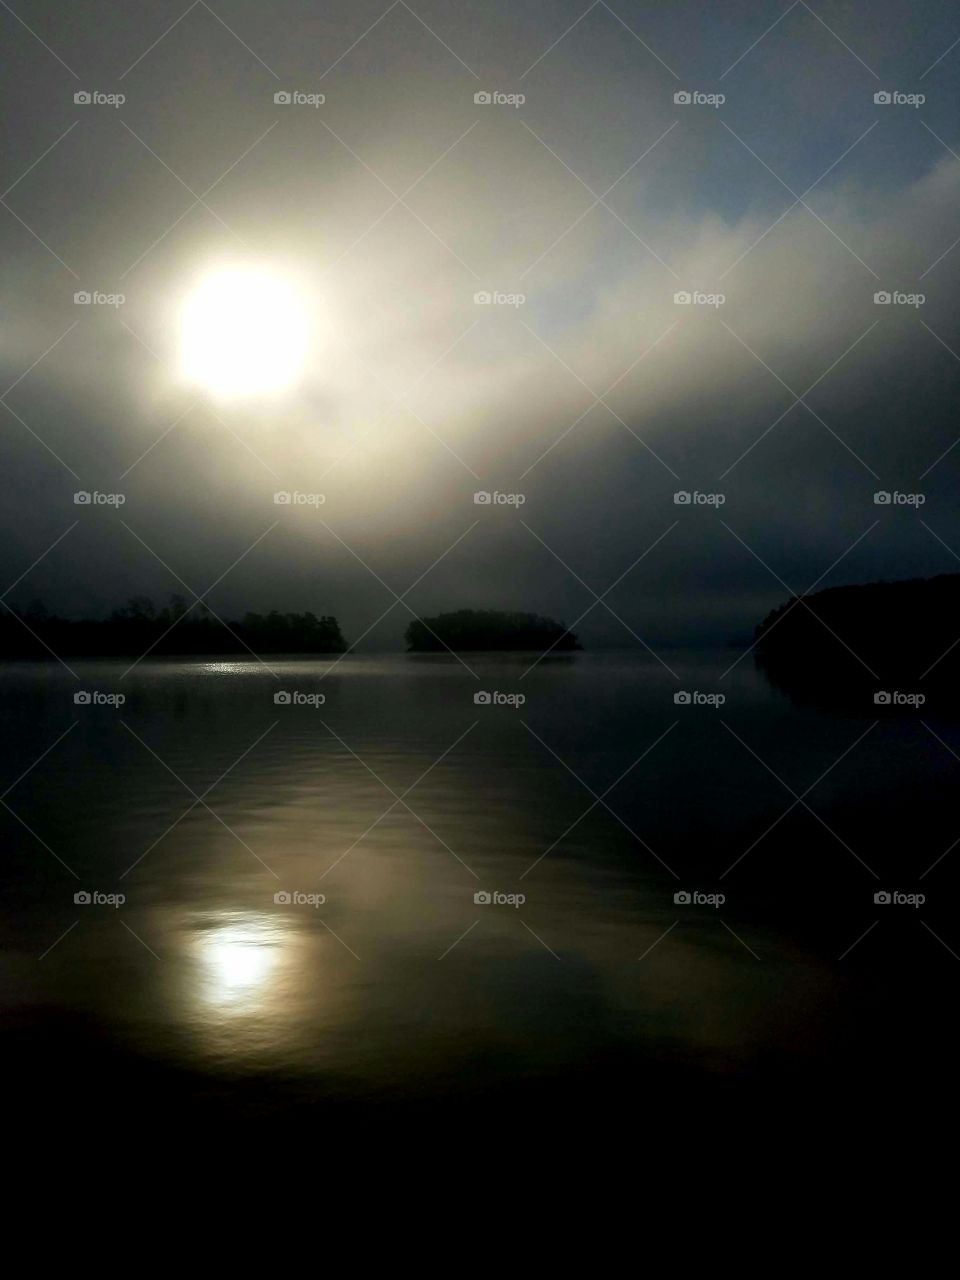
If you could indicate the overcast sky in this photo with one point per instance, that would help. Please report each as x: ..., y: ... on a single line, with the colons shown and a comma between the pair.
x: 396, y: 201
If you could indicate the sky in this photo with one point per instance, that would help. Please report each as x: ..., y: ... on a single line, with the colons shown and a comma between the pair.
x: 584, y: 197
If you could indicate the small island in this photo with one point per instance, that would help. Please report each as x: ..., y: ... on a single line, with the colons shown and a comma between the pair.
x: 178, y: 630
x: 488, y: 629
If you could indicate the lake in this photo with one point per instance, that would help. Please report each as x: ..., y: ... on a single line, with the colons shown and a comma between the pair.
x: 378, y: 891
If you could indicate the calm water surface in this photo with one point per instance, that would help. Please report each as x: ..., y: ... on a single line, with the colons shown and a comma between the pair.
x: 301, y: 919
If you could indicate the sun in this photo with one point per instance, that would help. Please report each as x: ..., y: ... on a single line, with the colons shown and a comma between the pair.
x: 244, y: 332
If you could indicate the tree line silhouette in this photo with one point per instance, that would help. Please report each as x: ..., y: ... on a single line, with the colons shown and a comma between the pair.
x: 842, y: 640
x: 488, y: 629
x: 176, y: 629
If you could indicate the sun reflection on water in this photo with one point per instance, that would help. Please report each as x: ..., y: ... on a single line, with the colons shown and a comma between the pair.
x: 241, y: 959
x: 261, y: 990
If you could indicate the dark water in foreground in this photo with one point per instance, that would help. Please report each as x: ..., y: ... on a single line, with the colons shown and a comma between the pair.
x: 203, y: 989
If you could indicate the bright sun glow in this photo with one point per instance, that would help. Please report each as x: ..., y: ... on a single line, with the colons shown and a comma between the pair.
x: 244, y: 333
x: 238, y: 959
